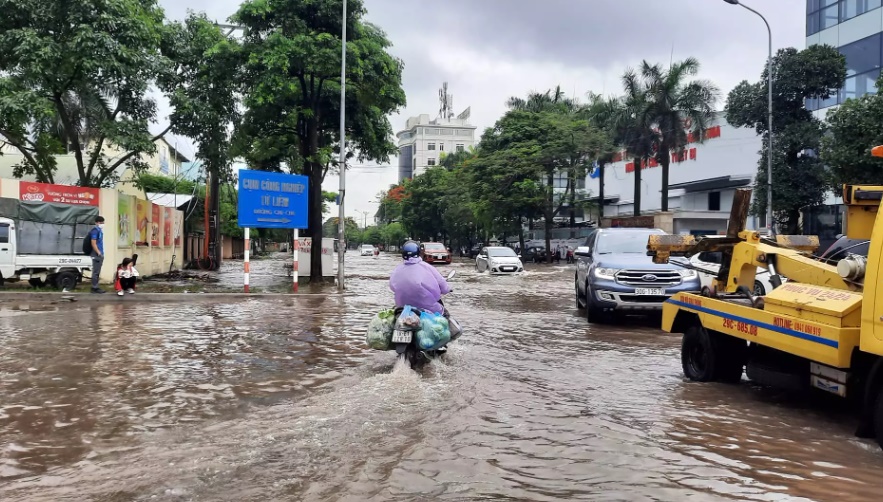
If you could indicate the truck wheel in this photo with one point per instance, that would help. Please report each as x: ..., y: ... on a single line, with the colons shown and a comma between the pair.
x: 878, y: 418
x: 732, y: 354
x: 698, y: 355
x: 66, y: 280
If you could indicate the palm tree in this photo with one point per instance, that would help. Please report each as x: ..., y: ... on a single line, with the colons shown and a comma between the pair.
x: 674, y: 101
x: 603, y: 113
x: 634, y: 125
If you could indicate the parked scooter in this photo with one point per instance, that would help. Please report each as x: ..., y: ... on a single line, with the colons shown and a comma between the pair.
x: 404, y: 338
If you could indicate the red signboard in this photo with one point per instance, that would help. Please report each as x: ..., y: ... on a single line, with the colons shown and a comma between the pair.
x: 60, y: 194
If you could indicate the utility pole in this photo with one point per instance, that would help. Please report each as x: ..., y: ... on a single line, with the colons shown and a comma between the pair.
x: 341, y: 227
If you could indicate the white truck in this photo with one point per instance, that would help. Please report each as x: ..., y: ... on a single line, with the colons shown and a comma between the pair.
x: 42, y: 242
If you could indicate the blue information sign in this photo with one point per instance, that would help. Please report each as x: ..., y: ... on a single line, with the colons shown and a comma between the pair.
x: 272, y: 200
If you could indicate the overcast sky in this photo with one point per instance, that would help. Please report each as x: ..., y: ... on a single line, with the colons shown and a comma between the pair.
x: 489, y: 50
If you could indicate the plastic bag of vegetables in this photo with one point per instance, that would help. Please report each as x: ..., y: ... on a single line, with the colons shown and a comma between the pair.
x: 380, y: 330
x: 409, y: 319
x: 434, y: 331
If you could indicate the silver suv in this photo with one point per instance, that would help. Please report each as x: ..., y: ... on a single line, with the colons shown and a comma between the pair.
x: 615, y: 274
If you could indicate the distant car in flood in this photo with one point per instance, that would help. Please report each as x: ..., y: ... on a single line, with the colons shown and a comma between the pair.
x: 535, y: 254
x: 435, y: 252
x: 498, y: 260
x: 366, y: 250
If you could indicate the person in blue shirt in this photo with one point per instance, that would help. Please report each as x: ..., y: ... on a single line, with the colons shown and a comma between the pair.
x: 96, y: 235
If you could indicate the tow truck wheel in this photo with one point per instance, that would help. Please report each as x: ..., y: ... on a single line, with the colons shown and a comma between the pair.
x: 711, y: 356
x: 878, y: 418
x: 699, y: 355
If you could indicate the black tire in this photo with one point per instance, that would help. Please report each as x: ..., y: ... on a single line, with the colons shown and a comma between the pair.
x: 711, y: 356
x: 578, y: 295
x: 878, y: 418
x: 1, y: 280
x: 732, y: 354
x: 759, y: 289
x: 697, y: 355
x: 66, y: 280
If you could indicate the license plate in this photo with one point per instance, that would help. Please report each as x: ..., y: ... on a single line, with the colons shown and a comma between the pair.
x: 649, y: 291
x: 399, y: 336
x: 507, y: 269
x: 440, y: 257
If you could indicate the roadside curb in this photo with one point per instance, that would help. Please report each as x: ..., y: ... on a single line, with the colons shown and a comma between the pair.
x: 110, y: 297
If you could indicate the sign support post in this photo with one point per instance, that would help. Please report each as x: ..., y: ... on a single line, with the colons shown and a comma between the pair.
x: 273, y: 200
x: 247, y: 256
x: 296, y: 249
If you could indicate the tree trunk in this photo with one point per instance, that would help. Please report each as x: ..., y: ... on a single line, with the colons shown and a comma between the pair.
x: 600, y: 191
x: 664, y: 160
x: 637, y: 203
x: 521, y: 239
x: 214, y: 227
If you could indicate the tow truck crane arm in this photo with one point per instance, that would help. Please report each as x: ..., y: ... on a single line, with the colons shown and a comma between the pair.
x: 789, y: 255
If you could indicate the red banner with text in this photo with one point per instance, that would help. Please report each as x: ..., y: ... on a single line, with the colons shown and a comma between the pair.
x: 59, y: 194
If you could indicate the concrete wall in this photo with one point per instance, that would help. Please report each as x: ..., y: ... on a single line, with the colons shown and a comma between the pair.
x: 152, y: 259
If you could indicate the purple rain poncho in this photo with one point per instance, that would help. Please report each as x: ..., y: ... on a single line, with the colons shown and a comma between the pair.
x: 418, y: 284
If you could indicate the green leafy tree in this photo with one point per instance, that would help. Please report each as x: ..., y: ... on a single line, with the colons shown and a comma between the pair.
x: 372, y: 235
x: 74, y: 76
x: 292, y: 92
x: 423, y: 209
x: 202, y: 88
x: 394, y: 234
x: 853, y: 129
x: 351, y: 232
x: 522, y: 154
x: 674, y: 102
x: 799, y: 178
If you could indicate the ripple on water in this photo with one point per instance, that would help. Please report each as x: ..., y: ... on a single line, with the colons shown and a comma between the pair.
x: 280, y: 399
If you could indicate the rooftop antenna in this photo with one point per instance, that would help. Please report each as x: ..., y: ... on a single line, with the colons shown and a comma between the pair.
x: 446, y: 102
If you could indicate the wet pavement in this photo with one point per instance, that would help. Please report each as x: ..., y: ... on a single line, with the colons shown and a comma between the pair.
x: 279, y: 399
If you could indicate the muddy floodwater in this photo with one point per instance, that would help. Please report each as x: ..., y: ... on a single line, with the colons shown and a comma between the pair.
x: 256, y: 400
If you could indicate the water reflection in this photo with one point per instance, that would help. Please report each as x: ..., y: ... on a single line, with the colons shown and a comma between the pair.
x: 249, y: 399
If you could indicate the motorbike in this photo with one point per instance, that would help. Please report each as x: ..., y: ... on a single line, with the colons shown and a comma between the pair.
x: 404, y: 338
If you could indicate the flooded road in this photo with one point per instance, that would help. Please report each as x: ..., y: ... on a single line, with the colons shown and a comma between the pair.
x: 281, y: 400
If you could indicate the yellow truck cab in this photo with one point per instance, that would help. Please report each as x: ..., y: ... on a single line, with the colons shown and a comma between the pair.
x: 823, y: 329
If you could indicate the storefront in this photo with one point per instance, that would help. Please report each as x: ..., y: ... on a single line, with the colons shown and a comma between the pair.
x: 703, y: 179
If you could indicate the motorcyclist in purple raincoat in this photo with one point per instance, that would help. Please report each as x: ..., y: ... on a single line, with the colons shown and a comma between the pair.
x: 417, y: 283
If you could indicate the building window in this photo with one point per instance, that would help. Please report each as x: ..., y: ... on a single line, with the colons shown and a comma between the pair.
x: 441, y: 147
x: 823, y: 14
x: 461, y: 147
x: 714, y: 201
x: 430, y: 162
x: 829, y: 17
x: 430, y: 146
x: 859, y: 85
x: 851, y: 8
x: 862, y: 56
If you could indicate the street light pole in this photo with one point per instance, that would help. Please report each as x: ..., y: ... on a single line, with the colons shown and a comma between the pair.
x: 341, y: 222
x: 769, y: 170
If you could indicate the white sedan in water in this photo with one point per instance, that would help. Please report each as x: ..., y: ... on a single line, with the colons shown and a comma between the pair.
x: 498, y: 260
x: 709, y: 263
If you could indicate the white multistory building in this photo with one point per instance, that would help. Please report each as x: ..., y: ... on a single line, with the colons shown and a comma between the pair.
x: 425, y: 141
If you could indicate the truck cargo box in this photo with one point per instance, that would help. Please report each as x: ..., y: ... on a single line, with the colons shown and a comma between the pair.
x: 45, y: 228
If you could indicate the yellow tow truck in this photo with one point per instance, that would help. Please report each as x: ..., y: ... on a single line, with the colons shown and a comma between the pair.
x: 821, y: 329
